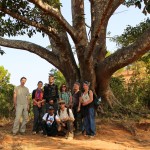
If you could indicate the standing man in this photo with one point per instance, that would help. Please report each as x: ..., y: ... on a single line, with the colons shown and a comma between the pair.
x: 21, y: 104
x: 76, y: 97
x: 51, y: 94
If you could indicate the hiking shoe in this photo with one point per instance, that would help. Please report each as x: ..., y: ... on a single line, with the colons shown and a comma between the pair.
x: 84, y: 133
x: 14, y: 134
x: 78, y: 133
x: 22, y: 133
x: 41, y: 132
x: 34, y: 132
x: 45, y: 135
x: 91, y: 136
x: 70, y: 136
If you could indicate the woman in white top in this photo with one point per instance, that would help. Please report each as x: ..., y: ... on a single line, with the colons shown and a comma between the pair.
x: 88, y: 110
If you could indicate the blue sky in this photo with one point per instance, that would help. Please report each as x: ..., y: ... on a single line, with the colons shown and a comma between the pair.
x: 22, y: 63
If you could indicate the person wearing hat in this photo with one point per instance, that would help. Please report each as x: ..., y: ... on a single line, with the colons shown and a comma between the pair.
x: 50, y: 123
x: 66, y: 119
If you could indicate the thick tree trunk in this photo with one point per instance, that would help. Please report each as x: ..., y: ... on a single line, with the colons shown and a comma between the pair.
x: 103, y: 89
x: 93, y: 66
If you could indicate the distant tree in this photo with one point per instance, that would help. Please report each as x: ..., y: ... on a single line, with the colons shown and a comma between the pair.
x: 6, y: 93
x: 59, y: 78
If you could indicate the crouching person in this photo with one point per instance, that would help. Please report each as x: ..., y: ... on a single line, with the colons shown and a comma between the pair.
x: 66, y: 120
x: 50, y: 123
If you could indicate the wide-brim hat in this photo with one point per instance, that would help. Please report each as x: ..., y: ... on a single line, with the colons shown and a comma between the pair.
x: 61, y: 101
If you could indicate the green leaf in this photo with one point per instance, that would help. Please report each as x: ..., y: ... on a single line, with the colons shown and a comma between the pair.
x: 138, y: 4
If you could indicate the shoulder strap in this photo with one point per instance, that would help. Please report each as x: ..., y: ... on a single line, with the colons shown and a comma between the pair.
x: 68, y: 111
x: 55, y: 117
x: 47, y: 116
x: 59, y: 111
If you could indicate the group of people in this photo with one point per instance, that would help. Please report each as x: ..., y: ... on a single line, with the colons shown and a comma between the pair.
x: 55, y: 112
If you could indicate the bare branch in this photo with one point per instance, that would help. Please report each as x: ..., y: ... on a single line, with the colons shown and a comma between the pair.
x: 96, y: 34
x: 127, y: 55
x: 97, y: 7
x: 57, y: 15
x: 33, y: 48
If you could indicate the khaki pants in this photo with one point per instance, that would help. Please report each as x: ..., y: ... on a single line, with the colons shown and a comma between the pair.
x: 21, y: 110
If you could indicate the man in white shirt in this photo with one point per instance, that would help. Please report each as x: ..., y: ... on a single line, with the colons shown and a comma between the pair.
x: 50, y: 121
x: 21, y: 104
x: 66, y: 120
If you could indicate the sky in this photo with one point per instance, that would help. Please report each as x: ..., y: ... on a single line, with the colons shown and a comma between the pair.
x: 22, y: 63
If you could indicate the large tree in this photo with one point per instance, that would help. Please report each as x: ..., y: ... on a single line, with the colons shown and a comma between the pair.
x: 19, y: 17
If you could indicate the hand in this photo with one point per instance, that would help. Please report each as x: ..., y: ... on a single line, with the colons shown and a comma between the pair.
x: 65, y: 119
x: 78, y: 109
x: 84, y: 104
x: 63, y: 124
x: 39, y: 104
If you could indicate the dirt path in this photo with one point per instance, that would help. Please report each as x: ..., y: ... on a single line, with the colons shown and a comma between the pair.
x: 109, y: 137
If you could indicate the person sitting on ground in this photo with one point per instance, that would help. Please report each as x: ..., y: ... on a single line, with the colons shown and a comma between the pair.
x: 50, y: 123
x: 66, y: 120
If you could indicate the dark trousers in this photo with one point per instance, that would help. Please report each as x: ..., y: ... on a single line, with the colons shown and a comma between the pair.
x: 89, y: 121
x: 38, y: 114
x: 50, y: 130
x: 68, y: 127
x: 78, y: 119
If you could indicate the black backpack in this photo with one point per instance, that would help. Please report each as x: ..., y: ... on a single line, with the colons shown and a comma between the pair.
x: 67, y: 111
x: 48, y: 116
x: 96, y: 101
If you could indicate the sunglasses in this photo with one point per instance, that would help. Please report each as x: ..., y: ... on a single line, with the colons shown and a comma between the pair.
x: 61, y: 103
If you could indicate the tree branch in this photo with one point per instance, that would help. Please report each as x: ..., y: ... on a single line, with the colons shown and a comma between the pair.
x: 95, y: 37
x: 100, y: 14
x: 100, y: 50
x: 78, y: 17
x: 57, y: 15
x: 48, y: 30
x: 33, y: 48
x: 127, y: 55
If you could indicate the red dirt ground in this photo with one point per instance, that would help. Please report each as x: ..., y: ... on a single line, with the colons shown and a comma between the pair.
x: 111, y: 135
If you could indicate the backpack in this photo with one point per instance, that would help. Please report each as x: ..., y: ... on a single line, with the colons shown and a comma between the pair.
x: 67, y: 111
x: 48, y: 116
x: 96, y: 100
